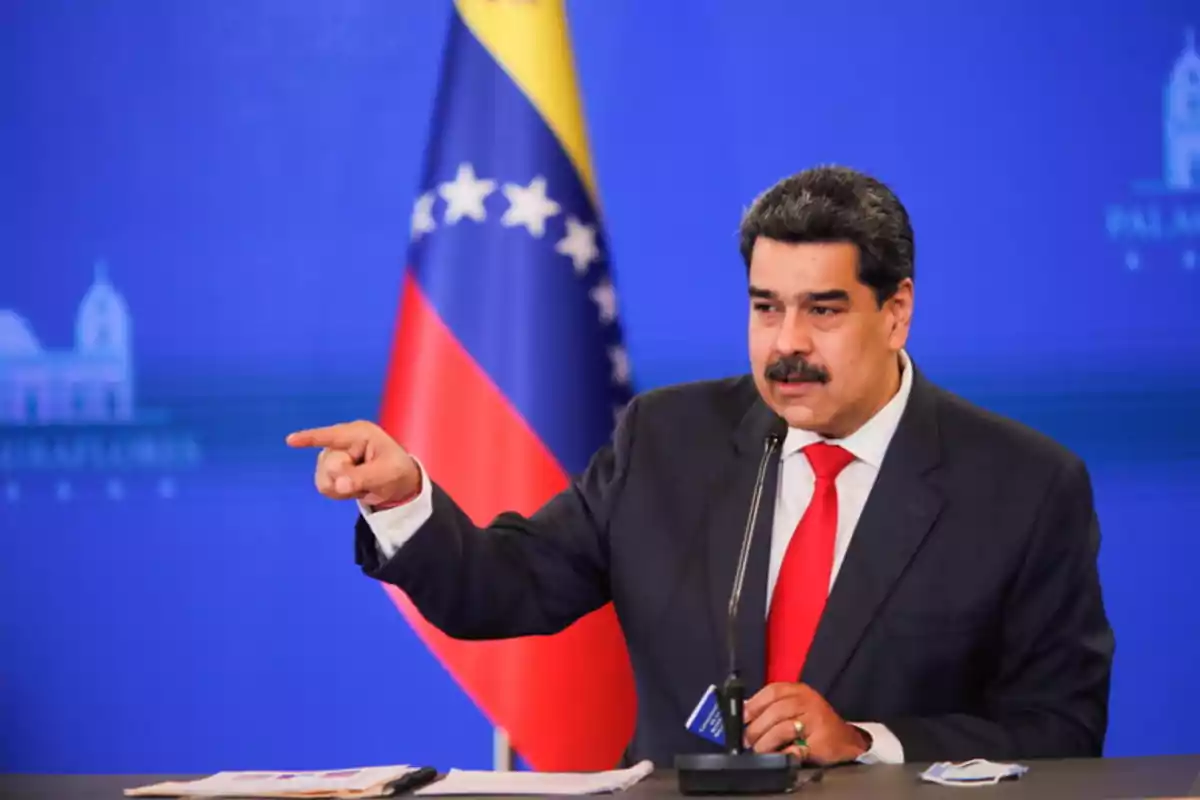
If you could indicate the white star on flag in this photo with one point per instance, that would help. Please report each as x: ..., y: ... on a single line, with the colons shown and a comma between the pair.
x: 579, y: 244
x: 529, y: 206
x: 605, y: 298
x: 620, y: 364
x: 464, y: 195
x: 422, y: 216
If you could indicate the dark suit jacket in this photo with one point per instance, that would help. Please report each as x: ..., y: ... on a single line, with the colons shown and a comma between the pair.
x: 967, y: 614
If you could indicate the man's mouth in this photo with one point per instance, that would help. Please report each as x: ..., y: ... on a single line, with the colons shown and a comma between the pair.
x: 795, y: 369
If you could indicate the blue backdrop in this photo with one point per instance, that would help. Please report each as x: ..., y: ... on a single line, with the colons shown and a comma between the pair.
x: 229, y: 184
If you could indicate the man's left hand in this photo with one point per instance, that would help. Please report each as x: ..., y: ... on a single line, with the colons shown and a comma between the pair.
x: 771, y: 717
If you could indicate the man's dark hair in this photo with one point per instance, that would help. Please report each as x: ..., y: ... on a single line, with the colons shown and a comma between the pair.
x: 837, y: 204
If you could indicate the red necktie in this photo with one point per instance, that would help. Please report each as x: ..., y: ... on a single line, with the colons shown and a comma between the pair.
x: 803, y: 582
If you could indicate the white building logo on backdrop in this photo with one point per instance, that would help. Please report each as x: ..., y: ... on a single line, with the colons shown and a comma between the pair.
x: 1163, y: 223
x: 72, y: 414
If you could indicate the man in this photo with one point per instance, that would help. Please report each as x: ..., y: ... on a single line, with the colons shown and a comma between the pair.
x: 923, y: 581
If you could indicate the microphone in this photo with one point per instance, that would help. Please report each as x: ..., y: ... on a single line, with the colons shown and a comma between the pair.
x: 733, y: 691
x: 737, y: 770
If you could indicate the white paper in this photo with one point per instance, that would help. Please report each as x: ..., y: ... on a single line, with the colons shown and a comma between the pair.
x: 536, y: 783
x: 346, y: 783
x: 976, y: 772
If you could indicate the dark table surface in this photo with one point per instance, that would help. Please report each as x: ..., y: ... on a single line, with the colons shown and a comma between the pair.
x: 1155, y: 776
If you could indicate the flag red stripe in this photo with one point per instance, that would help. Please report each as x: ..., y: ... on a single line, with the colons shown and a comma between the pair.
x: 559, y: 693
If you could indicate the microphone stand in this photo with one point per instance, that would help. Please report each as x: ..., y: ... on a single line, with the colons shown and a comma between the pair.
x: 738, y: 770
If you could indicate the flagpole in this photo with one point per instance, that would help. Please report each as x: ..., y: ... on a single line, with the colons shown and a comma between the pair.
x: 502, y: 754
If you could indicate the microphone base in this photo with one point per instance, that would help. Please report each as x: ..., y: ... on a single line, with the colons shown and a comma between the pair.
x: 736, y: 773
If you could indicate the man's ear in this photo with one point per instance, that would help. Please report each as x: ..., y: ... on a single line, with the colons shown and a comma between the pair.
x: 901, y: 307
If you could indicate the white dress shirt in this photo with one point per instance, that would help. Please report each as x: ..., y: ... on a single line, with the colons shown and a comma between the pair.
x: 796, y: 480
x: 395, y: 526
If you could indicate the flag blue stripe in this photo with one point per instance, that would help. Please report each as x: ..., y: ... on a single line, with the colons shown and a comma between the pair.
x: 515, y: 304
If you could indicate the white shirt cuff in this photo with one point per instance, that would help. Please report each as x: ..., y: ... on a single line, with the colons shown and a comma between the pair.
x: 885, y: 747
x: 393, y: 527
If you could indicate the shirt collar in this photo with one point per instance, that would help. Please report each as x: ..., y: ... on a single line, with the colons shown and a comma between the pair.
x: 871, y: 440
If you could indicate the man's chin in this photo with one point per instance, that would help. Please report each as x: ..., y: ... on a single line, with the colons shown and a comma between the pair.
x: 798, y: 412
x: 801, y: 418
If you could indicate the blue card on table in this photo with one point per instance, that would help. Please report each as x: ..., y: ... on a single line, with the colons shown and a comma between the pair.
x: 706, y: 720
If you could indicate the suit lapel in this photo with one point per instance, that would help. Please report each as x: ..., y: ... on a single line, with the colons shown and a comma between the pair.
x: 899, y: 512
x: 729, y: 495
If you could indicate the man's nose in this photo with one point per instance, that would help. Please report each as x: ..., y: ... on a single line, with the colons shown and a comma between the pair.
x: 794, y: 335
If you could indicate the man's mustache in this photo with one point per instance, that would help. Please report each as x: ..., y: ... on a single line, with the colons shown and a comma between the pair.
x: 795, y: 368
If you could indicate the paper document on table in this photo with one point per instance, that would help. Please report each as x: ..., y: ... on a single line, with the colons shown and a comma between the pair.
x: 342, y: 783
x: 457, y: 782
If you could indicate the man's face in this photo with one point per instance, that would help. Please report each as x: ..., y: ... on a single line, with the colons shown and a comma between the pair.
x: 823, y: 352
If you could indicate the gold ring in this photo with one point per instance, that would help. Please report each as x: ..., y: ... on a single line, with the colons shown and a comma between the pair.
x: 799, y: 727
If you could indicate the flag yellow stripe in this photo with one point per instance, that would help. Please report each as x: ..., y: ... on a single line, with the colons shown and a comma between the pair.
x: 530, y: 41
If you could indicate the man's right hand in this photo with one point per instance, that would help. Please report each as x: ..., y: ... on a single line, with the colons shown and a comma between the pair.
x: 359, y: 460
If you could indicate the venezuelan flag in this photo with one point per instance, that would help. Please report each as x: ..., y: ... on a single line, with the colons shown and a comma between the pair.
x: 508, y: 365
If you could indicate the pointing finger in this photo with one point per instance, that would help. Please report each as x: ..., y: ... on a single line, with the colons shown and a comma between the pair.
x: 343, y: 436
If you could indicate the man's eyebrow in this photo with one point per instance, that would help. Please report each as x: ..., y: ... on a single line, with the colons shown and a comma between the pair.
x: 808, y: 297
x: 826, y: 296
